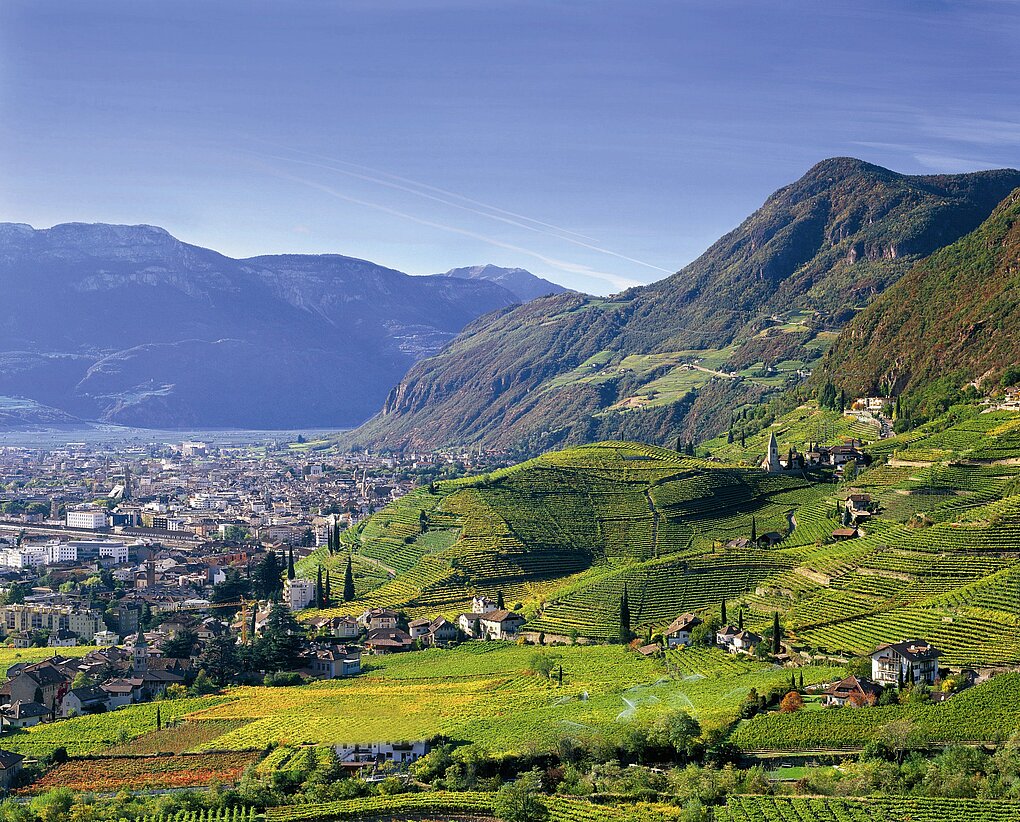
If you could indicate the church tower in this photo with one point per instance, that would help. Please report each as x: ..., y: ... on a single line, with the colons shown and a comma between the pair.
x: 140, y: 654
x: 771, y: 462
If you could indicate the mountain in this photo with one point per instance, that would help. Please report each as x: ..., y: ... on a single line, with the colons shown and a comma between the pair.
x: 674, y: 358
x: 950, y: 320
x: 519, y: 282
x: 128, y: 324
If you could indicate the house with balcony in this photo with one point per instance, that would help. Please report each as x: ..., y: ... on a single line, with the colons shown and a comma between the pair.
x: 904, y: 663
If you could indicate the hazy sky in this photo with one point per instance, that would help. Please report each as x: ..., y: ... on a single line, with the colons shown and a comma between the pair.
x: 596, y: 143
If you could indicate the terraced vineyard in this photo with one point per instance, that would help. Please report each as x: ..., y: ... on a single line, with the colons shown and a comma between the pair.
x: 565, y: 533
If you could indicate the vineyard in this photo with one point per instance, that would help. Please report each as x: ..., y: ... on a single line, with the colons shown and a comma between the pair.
x: 987, y: 712
x: 877, y: 809
x: 114, y: 773
x: 434, y: 805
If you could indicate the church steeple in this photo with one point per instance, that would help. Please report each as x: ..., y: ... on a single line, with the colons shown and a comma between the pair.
x: 140, y: 654
x: 771, y: 462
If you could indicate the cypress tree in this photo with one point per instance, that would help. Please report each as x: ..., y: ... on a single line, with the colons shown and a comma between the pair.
x: 729, y: 437
x: 777, y: 634
x: 754, y: 530
x: 722, y: 611
x: 349, y: 581
x: 625, y: 635
x: 679, y: 446
x: 500, y: 605
x: 290, y: 563
x: 740, y: 619
x: 802, y: 680
x: 318, y: 588
x: 159, y: 719
x: 326, y: 590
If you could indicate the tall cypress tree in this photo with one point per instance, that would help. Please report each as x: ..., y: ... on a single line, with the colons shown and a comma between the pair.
x: 326, y: 591
x: 625, y: 634
x: 722, y: 614
x: 777, y: 634
x: 754, y: 530
x: 349, y: 581
x: 740, y: 619
x: 500, y: 605
x: 290, y: 563
x: 318, y: 588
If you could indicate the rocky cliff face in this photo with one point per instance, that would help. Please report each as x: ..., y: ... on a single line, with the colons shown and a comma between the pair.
x: 127, y: 324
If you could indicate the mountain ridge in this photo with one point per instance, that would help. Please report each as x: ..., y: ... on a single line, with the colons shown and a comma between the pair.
x: 674, y: 357
x: 518, y: 281
x: 130, y: 325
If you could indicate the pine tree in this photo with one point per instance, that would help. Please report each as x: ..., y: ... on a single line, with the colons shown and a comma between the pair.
x: 349, y: 581
x: 625, y: 634
x: 777, y: 634
x: 290, y: 563
x: 318, y: 588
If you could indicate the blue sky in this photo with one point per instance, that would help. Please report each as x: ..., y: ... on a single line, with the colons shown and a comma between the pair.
x: 600, y: 144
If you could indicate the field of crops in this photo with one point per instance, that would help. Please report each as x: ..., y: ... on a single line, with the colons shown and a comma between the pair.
x: 93, y: 733
x: 876, y: 809
x: 114, y: 773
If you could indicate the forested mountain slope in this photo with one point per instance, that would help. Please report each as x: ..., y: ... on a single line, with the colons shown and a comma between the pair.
x: 953, y: 318
x: 672, y: 358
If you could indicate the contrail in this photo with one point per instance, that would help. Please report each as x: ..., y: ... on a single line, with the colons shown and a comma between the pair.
x: 563, y: 265
x: 513, y: 219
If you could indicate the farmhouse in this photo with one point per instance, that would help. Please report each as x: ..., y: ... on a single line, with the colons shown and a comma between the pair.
x: 679, y: 631
x: 10, y: 767
x: 500, y: 624
x: 912, y: 660
x: 736, y: 640
x: 853, y: 691
x: 382, y: 641
x: 376, y: 618
x: 24, y: 714
x: 379, y: 753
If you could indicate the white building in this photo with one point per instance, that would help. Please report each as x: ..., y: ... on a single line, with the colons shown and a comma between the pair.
x: 904, y: 663
x: 298, y: 593
x: 57, y: 551
x: 117, y: 551
x: 88, y: 516
x: 106, y: 639
x: 381, y: 752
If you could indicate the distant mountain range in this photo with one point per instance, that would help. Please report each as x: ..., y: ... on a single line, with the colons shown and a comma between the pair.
x: 674, y: 358
x: 127, y: 324
x: 522, y: 284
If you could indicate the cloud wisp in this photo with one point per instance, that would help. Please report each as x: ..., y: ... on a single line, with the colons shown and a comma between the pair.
x: 614, y: 280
